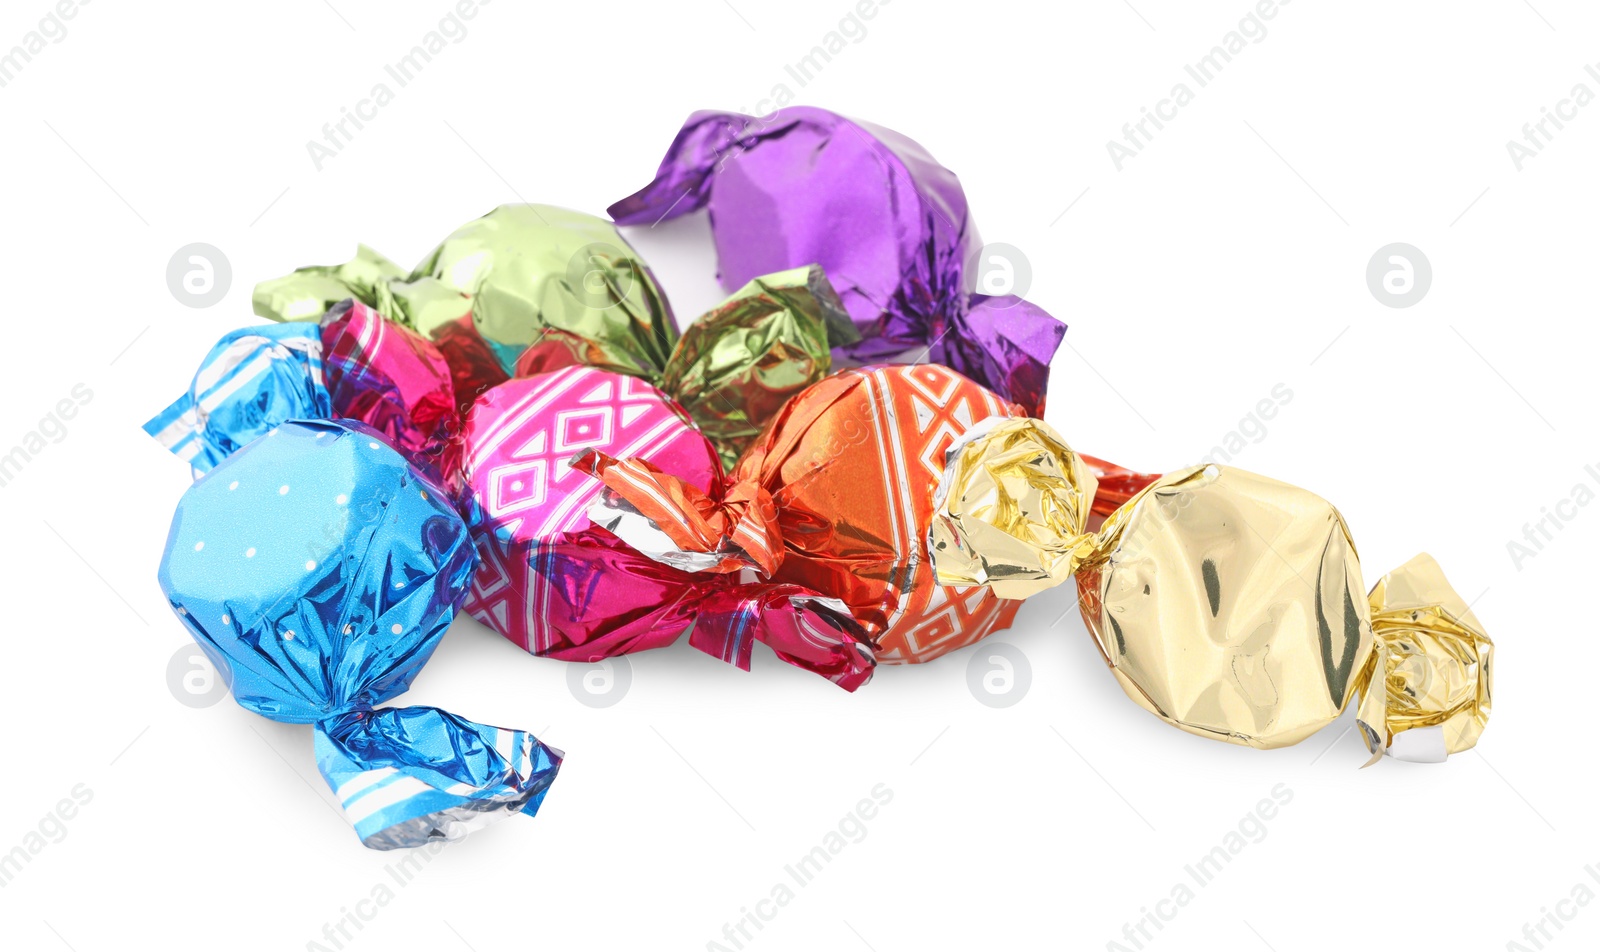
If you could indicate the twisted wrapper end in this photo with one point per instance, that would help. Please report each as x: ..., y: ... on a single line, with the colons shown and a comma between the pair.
x: 802, y: 628
x: 1429, y: 680
x: 418, y: 302
x: 253, y: 380
x: 406, y: 776
x: 677, y: 524
x: 1011, y: 509
x: 729, y: 539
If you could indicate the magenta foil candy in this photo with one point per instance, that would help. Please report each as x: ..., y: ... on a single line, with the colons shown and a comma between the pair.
x: 558, y: 586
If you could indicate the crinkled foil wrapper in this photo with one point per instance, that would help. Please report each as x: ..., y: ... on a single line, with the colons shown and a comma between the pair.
x: 559, y: 585
x: 318, y: 571
x: 833, y: 497
x: 353, y: 365
x: 533, y: 270
x: 1226, y: 603
x: 417, y: 301
x: 736, y: 367
x: 251, y: 381
x: 887, y: 223
x: 1432, y: 669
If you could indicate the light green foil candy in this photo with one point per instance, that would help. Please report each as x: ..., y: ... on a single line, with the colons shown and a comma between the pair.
x: 523, y: 271
x: 533, y: 268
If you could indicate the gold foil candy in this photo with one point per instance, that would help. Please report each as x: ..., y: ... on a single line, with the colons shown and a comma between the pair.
x: 1228, y: 604
x: 1431, y: 671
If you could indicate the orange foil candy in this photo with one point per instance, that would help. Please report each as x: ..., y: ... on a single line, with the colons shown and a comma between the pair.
x: 835, y: 495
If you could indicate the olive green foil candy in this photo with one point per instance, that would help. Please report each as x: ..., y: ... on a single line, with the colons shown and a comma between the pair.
x: 523, y: 271
x: 740, y: 362
x: 737, y: 365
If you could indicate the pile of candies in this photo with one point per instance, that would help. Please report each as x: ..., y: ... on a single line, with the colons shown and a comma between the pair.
x: 844, y: 461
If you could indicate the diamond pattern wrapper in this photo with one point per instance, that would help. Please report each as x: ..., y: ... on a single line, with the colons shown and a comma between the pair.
x: 530, y: 289
x: 1226, y: 603
x: 318, y: 571
x: 559, y: 586
x: 887, y: 223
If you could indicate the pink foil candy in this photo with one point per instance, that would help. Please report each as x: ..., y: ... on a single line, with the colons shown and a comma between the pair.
x: 395, y: 381
x: 553, y: 583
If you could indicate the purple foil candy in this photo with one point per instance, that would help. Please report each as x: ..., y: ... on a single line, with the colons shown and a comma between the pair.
x: 887, y: 223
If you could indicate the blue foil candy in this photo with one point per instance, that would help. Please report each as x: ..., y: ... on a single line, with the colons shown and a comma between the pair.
x: 251, y: 381
x: 318, y: 571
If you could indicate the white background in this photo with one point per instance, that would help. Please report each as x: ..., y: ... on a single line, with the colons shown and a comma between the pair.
x: 1227, y: 258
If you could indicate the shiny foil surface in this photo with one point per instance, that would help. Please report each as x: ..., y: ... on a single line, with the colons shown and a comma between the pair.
x: 353, y: 365
x: 511, y: 277
x: 533, y: 269
x: 887, y: 224
x: 1228, y: 604
x: 1015, y: 517
x: 834, y: 497
x: 542, y: 583
x: 561, y: 587
x: 1432, y: 667
x: 251, y: 381
x: 418, y: 302
x: 394, y: 380
x: 318, y: 571
x: 737, y: 364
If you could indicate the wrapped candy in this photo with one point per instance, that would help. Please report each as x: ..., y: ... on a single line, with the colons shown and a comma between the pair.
x: 318, y: 571
x: 1226, y: 603
x: 355, y: 365
x: 520, y: 272
x: 887, y: 224
x: 560, y: 587
x: 833, y: 497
